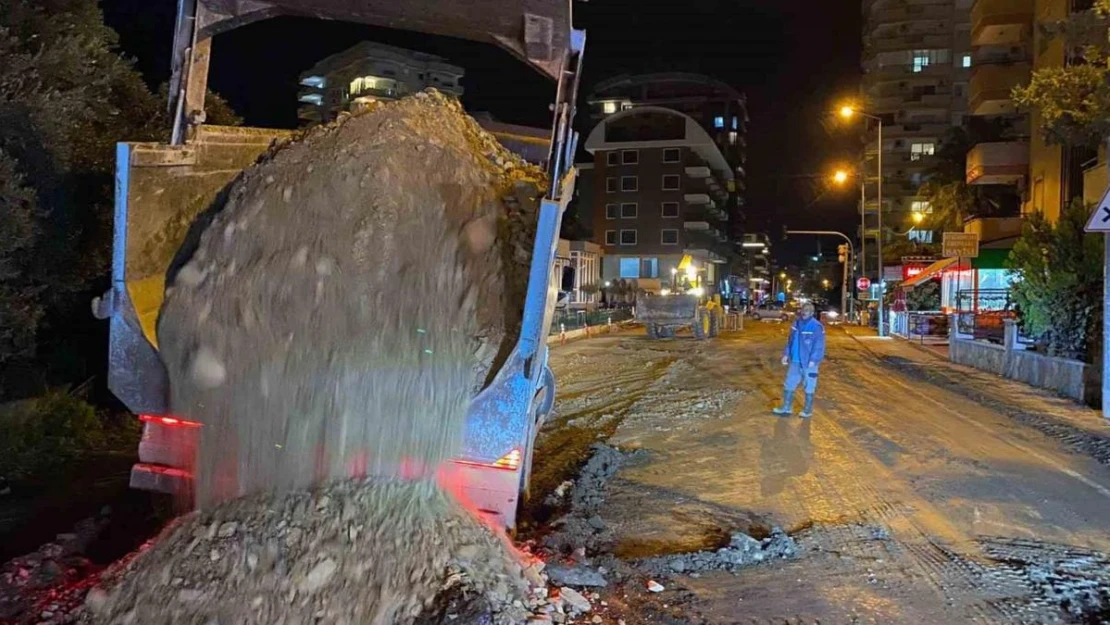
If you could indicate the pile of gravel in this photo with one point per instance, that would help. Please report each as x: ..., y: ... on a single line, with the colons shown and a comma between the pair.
x: 347, y: 298
x: 355, y: 552
x: 741, y: 552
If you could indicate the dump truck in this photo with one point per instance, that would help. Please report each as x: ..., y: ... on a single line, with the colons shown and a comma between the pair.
x: 161, y: 188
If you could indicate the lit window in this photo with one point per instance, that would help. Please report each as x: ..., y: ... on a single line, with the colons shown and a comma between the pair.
x: 630, y: 266
x: 629, y: 210
x: 920, y: 150
x: 965, y: 61
x: 630, y: 157
x: 671, y: 182
x: 672, y: 155
x: 610, y: 237
x: 613, y: 158
x: 921, y: 206
x: 626, y: 106
x: 670, y: 210
x: 628, y: 237
x: 733, y: 137
x: 610, y: 185
x: 610, y: 211
x: 609, y: 107
x: 649, y: 268
x: 921, y: 60
x: 719, y: 121
x: 319, y: 82
x: 669, y: 237
x: 735, y: 123
x: 312, y: 98
x: 630, y: 183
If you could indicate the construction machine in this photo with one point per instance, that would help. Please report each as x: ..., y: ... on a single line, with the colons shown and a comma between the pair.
x: 160, y: 189
x: 684, y: 304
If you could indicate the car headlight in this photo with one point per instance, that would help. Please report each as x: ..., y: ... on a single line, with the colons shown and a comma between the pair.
x: 832, y: 314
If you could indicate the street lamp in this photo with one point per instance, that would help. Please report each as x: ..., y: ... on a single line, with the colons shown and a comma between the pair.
x: 917, y: 217
x: 840, y: 177
x: 848, y: 112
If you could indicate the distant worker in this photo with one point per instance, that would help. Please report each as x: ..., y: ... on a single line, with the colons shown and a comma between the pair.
x: 804, y: 351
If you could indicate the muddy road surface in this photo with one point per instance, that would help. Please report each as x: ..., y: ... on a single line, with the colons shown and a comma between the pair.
x: 920, y: 492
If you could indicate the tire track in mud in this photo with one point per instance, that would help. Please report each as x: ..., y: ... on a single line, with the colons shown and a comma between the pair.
x: 997, y: 588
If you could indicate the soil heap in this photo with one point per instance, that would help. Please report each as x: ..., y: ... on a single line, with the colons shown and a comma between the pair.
x: 333, y: 320
x: 341, y: 309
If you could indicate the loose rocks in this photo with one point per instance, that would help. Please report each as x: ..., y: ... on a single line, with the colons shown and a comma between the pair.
x: 415, y: 547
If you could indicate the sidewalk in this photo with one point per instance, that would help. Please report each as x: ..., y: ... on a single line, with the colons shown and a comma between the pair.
x: 1082, y: 429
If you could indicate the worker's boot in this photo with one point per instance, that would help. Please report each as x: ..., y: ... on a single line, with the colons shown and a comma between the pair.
x: 807, y: 411
x: 787, y: 400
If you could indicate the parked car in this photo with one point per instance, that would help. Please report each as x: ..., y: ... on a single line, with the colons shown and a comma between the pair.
x: 770, y: 311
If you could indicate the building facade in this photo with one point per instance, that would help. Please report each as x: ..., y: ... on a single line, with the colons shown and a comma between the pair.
x: 720, y: 110
x: 367, y: 72
x: 1008, y: 47
x: 917, y: 63
x: 661, y: 190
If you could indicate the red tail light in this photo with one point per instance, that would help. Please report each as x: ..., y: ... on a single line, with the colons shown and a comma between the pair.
x: 168, y: 421
x: 509, y: 462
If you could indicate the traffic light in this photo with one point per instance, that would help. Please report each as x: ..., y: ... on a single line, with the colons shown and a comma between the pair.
x: 842, y: 252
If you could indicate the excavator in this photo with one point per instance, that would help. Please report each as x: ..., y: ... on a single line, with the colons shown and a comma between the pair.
x: 161, y: 188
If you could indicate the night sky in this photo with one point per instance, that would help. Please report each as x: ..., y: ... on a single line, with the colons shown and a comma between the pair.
x: 793, y: 58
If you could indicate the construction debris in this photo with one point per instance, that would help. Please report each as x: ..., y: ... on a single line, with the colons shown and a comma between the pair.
x: 333, y: 321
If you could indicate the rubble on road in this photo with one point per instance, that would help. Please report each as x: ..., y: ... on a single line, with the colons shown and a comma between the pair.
x: 49, y: 584
x: 581, y: 528
x: 351, y: 552
x: 742, y: 551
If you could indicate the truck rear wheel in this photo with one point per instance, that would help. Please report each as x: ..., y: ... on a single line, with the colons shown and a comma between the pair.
x: 714, y: 323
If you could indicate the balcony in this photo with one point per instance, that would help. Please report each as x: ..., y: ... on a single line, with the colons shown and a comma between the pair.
x: 1005, y: 162
x: 906, y: 42
x: 696, y: 225
x: 990, y: 86
x: 1001, y: 22
x: 916, y: 130
x: 697, y: 198
x: 698, y: 172
x: 908, y: 13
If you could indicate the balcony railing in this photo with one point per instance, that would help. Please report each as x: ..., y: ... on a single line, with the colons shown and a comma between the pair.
x: 909, y: 13
x: 1004, y: 162
x: 907, y: 42
x: 990, y: 87
x: 1001, y: 22
x: 700, y: 171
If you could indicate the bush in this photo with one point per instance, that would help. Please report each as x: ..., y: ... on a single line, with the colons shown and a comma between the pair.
x: 41, y: 433
x: 1058, y: 283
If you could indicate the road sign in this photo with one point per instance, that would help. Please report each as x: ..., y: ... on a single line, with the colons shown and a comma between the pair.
x: 863, y: 284
x: 1100, y: 219
x: 961, y: 245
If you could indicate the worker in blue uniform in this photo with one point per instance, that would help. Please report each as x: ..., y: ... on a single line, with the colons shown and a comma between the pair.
x: 804, y: 351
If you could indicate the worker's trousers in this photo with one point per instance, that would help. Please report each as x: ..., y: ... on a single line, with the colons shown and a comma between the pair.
x: 799, y: 373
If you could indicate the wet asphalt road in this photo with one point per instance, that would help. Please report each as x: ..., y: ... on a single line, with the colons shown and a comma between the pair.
x: 919, y: 492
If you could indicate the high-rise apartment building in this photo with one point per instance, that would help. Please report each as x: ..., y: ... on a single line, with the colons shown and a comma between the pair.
x: 371, y: 71
x: 660, y: 190
x: 917, y: 63
x: 720, y: 110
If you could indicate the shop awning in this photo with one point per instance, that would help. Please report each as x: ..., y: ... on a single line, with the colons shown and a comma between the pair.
x: 929, y: 272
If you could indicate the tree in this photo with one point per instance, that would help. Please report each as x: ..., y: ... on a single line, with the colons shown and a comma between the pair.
x: 1074, y: 100
x: 1058, y: 286
x: 20, y: 308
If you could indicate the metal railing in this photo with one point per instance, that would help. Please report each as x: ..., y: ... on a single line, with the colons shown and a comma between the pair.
x: 576, y: 319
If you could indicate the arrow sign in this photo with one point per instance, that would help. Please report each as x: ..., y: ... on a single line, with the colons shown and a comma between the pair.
x: 1100, y: 219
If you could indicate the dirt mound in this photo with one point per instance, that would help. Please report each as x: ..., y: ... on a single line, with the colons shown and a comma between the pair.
x: 351, y: 553
x: 342, y: 307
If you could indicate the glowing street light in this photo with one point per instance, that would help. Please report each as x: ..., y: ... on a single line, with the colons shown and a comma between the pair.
x: 840, y: 177
x: 917, y: 217
x: 847, y: 112
x: 825, y: 283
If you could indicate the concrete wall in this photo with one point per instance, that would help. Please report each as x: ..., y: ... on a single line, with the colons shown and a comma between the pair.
x: 1070, y: 378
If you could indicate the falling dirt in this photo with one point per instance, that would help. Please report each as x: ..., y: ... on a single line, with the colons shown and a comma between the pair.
x: 333, y: 321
